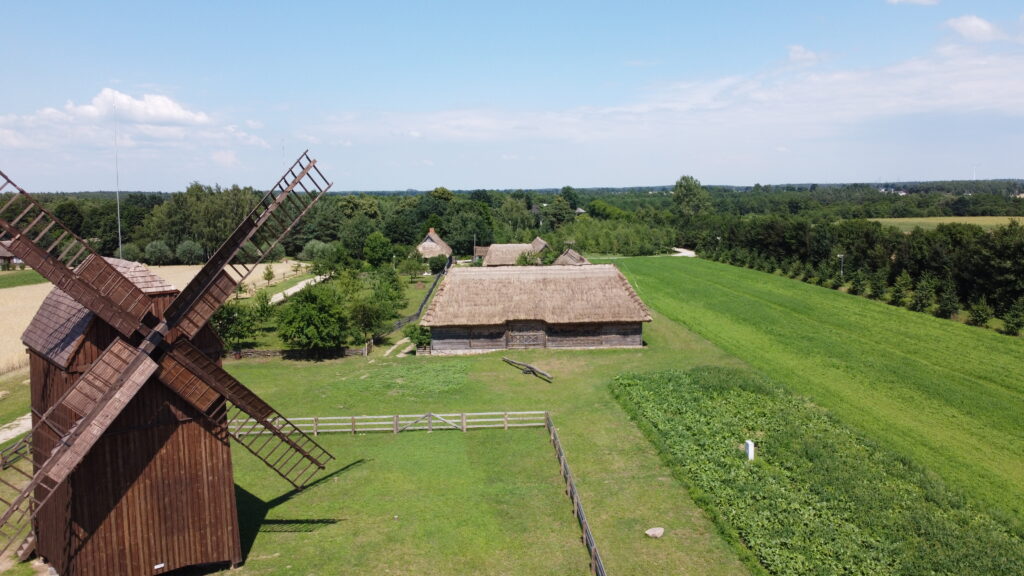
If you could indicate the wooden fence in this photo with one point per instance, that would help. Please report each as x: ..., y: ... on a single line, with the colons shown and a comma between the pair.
x: 396, y: 423
x: 596, y: 565
x: 452, y: 421
x: 401, y: 322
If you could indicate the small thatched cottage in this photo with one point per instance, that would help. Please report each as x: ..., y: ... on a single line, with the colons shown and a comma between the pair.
x: 570, y: 258
x: 6, y: 258
x: 508, y: 254
x: 481, y: 309
x: 433, y: 245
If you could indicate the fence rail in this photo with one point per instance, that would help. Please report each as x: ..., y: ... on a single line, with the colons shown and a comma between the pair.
x: 596, y: 565
x: 396, y: 423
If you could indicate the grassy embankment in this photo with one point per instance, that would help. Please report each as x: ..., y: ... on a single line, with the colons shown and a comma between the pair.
x: 908, y: 224
x: 946, y: 396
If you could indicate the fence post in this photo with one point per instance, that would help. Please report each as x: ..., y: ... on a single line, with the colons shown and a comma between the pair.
x: 463, y: 421
x: 396, y: 423
x: 316, y: 428
x: 506, y: 420
x: 353, y: 424
x: 430, y: 421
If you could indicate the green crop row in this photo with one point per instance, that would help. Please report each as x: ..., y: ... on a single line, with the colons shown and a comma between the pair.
x: 818, y: 498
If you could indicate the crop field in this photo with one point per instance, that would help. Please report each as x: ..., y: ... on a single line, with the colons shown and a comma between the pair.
x: 946, y: 396
x: 908, y: 224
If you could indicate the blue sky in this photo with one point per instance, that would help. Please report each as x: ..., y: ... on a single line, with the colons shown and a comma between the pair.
x: 397, y: 95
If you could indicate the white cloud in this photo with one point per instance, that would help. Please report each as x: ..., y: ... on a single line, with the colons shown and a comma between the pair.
x: 147, y: 122
x: 226, y: 158
x: 150, y: 109
x: 975, y: 29
x: 918, y: 2
x: 800, y: 55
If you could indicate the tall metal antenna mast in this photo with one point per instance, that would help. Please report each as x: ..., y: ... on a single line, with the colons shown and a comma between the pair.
x: 117, y: 181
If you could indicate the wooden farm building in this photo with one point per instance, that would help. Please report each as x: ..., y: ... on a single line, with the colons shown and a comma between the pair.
x: 6, y: 258
x: 482, y: 309
x: 156, y: 492
x: 570, y: 258
x: 433, y: 245
x: 508, y: 254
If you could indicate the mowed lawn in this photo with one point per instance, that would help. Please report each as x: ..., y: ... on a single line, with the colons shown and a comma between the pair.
x: 908, y: 224
x: 947, y: 396
x: 483, y: 502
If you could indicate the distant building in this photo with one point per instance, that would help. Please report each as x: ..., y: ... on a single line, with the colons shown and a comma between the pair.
x: 6, y: 258
x: 570, y: 258
x: 433, y: 245
x: 508, y: 254
x: 482, y: 309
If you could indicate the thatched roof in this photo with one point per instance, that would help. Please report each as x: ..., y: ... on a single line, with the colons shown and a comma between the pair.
x: 570, y: 258
x: 57, y: 328
x: 508, y: 254
x: 479, y: 251
x: 554, y: 294
x: 433, y: 245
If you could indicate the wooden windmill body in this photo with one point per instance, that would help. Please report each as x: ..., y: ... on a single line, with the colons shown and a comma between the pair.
x: 159, y: 471
x: 127, y: 468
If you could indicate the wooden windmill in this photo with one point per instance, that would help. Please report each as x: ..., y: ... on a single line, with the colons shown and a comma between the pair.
x: 127, y: 469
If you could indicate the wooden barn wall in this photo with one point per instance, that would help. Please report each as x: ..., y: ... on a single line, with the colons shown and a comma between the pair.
x: 575, y: 336
x: 157, y: 488
x: 461, y: 338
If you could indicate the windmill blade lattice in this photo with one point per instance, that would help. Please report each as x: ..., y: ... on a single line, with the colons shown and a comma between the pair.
x: 74, y: 424
x: 251, y: 422
x: 272, y: 218
x: 59, y: 255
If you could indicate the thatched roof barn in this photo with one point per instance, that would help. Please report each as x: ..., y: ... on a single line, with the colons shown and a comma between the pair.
x: 508, y: 254
x: 570, y: 258
x: 480, y: 309
x: 433, y: 245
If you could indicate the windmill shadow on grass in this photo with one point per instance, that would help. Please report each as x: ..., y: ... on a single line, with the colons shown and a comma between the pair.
x: 252, y: 518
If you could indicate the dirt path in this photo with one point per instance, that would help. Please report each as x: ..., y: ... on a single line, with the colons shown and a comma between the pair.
x: 281, y: 296
x: 397, y: 344
x: 16, y: 428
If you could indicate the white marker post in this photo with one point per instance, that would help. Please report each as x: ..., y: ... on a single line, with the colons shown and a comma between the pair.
x: 750, y: 449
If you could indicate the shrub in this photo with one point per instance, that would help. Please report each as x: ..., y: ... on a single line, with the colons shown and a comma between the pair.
x: 261, y: 304
x: 980, y: 313
x: 235, y: 323
x: 418, y: 335
x: 901, y: 289
x: 411, y: 267
x: 158, y: 253
x: 437, y: 263
x: 312, y: 250
x: 1013, y: 322
x: 315, y: 318
x: 190, y: 252
x: 131, y: 251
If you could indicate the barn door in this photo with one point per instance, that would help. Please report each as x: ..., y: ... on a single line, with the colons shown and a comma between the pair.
x: 526, y: 335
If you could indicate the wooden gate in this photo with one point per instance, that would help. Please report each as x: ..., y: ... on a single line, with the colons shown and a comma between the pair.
x: 526, y: 335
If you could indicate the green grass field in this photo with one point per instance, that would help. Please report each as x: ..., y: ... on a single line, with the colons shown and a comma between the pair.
x: 12, y: 278
x: 947, y: 396
x: 624, y: 485
x: 908, y: 224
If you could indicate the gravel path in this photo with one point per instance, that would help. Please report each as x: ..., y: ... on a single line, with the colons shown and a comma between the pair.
x: 281, y: 296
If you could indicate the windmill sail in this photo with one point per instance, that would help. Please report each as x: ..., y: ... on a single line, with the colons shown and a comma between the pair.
x: 252, y: 422
x: 55, y: 252
x: 272, y: 218
x: 97, y: 398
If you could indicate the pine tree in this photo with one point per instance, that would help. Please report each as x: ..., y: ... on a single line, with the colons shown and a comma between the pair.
x: 901, y: 289
x: 924, y: 294
x: 1013, y: 322
x: 948, y: 302
x: 980, y: 313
